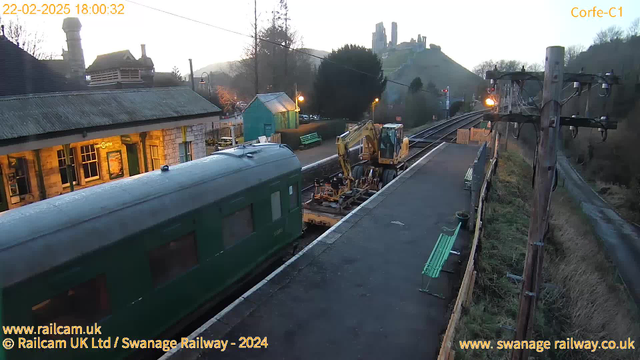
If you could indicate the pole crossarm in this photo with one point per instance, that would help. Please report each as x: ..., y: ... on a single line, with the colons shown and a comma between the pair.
x: 564, y: 120
x: 582, y: 78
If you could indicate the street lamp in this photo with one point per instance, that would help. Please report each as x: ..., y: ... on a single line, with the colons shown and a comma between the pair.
x: 373, y: 109
x: 207, y: 82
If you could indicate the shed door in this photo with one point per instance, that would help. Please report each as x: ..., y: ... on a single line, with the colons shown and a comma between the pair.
x: 3, y: 197
x: 268, y: 130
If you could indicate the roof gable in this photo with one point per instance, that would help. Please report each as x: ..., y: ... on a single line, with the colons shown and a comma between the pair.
x: 32, y: 115
x: 276, y: 102
x: 116, y: 60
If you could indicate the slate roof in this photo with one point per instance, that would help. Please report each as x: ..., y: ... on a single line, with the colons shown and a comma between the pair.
x: 59, y: 66
x: 276, y: 102
x: 21, y: 73
x: 118, y: 60
x: 31, y: 115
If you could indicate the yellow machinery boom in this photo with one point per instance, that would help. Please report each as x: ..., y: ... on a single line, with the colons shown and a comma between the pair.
x: 344, y: 142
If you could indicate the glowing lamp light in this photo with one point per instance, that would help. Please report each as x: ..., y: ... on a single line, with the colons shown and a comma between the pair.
x: 300, y: 98
x: 490, y: 102
x: 376, y: 100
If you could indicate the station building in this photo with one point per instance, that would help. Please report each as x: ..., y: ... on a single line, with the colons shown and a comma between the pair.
x: 55, y: 143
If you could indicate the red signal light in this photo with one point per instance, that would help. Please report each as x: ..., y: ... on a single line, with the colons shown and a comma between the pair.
x: 445, y: 90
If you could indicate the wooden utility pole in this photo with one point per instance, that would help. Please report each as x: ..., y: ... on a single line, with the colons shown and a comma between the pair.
x: 255, y: 43
x: 545, y: 166
x: 193, y: 83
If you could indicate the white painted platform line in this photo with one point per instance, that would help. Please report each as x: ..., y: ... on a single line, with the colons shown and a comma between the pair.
x: 327, y: 159
x: 202, y: 328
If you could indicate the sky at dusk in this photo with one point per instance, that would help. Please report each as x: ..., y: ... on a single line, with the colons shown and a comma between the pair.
x: 468, y: 31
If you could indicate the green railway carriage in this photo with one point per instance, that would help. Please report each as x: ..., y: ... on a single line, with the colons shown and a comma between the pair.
x: 139, y: 254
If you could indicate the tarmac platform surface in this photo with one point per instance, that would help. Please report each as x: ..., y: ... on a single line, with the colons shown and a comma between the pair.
x: 353, y: 293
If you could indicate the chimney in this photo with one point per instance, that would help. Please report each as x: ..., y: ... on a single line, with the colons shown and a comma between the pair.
x: 144, y: 50
x: 71, y: 27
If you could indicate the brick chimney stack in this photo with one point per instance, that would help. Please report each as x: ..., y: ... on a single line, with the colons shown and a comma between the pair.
x: 71, y: 27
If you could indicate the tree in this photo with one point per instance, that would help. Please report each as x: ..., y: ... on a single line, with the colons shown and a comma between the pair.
x: 482, y: 68
x: 348, y: 80
x: 535, y: 67
x: 30, y: 42
x: 175, y: 73
x: 416, y: 85
x: 610, y: 34
x: 503, y: 65
x: 634, y: 28
x: 571, y: 53
x: 278, y: 67
x: 228, y: 98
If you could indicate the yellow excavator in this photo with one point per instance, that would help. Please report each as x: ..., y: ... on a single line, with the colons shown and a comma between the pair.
x: 384, y: 151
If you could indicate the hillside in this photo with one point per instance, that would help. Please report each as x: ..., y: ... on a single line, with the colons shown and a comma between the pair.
x: 430, y: 65
x: 229, y: 67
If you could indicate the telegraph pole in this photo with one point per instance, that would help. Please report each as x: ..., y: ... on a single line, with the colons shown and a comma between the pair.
x: 545, y: 166
x: 193, y: 83
x: 255, y: 43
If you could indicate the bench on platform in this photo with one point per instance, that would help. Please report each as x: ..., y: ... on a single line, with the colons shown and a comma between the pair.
x: 310, y: 140
x: 438, y: 257
x: 467, y: 178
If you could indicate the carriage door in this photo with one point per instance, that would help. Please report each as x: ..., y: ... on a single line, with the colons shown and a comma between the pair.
x: 3, y: 196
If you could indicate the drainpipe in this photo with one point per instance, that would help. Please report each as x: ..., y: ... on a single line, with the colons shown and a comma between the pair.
x: 67, y: 151
x: 43, y: 190
x: 143, y: 140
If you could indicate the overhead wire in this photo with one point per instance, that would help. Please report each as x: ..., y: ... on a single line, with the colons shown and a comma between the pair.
x: 268, y: 41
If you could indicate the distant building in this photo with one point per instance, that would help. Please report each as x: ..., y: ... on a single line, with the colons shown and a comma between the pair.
x: 268, y: 113
x: 379, y: 39
x: 394, y: 34
x: 21, y: 73
x: 55, y: 143
x: 120, y: 70
x: 72, y: 64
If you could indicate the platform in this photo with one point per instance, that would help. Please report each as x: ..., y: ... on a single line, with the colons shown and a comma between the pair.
x: 353, y: 293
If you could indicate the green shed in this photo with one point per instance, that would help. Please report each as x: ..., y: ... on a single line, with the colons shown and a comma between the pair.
x: 268, y: 113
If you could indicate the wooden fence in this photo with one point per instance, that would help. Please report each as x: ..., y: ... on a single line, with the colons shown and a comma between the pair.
x: 466, y: 289
x: 473, y: 135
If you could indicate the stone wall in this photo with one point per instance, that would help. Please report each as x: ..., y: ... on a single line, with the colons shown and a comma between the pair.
x: 168, y: 153
x: 173, y: 137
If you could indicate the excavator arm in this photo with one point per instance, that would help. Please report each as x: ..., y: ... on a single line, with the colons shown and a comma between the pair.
x: 367, y: 131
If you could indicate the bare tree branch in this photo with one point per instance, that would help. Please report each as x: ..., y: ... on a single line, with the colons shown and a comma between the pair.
x: 30, y: 42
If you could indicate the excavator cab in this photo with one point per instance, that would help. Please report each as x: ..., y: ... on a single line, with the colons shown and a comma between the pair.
x: 391, y: 144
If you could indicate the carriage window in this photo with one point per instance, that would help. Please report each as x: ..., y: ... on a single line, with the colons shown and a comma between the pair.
x: 170, y: 260
x: 82, y: 305
x: 293, y: 196
x: 237, y: 226
x: 276, y: 211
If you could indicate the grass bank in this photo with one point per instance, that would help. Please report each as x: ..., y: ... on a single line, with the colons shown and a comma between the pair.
x: 581, y: 297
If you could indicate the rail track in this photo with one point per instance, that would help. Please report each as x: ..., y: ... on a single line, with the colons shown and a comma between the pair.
x: 423, y: 140
x: 419, y: 143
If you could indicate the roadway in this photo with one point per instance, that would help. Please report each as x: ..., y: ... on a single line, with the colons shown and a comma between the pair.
x: 621, y: 238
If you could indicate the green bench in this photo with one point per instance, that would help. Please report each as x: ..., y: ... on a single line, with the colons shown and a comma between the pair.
x: 310, y: 140
x: 438, y: 257
x: 468, y: 178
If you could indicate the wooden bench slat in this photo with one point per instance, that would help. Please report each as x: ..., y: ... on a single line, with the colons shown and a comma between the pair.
x: 440, y: 254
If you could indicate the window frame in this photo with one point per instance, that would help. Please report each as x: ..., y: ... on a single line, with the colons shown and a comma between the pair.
x: 279, y: 202
x: 72, y: 157
x: 193, y: 238
x: 96, y: 160
x: 188, y: 152
x: 71, y: 286
x: 225, y: 243
x: 292, y: 190
x: 23, y: 165
x: 155, y: 156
